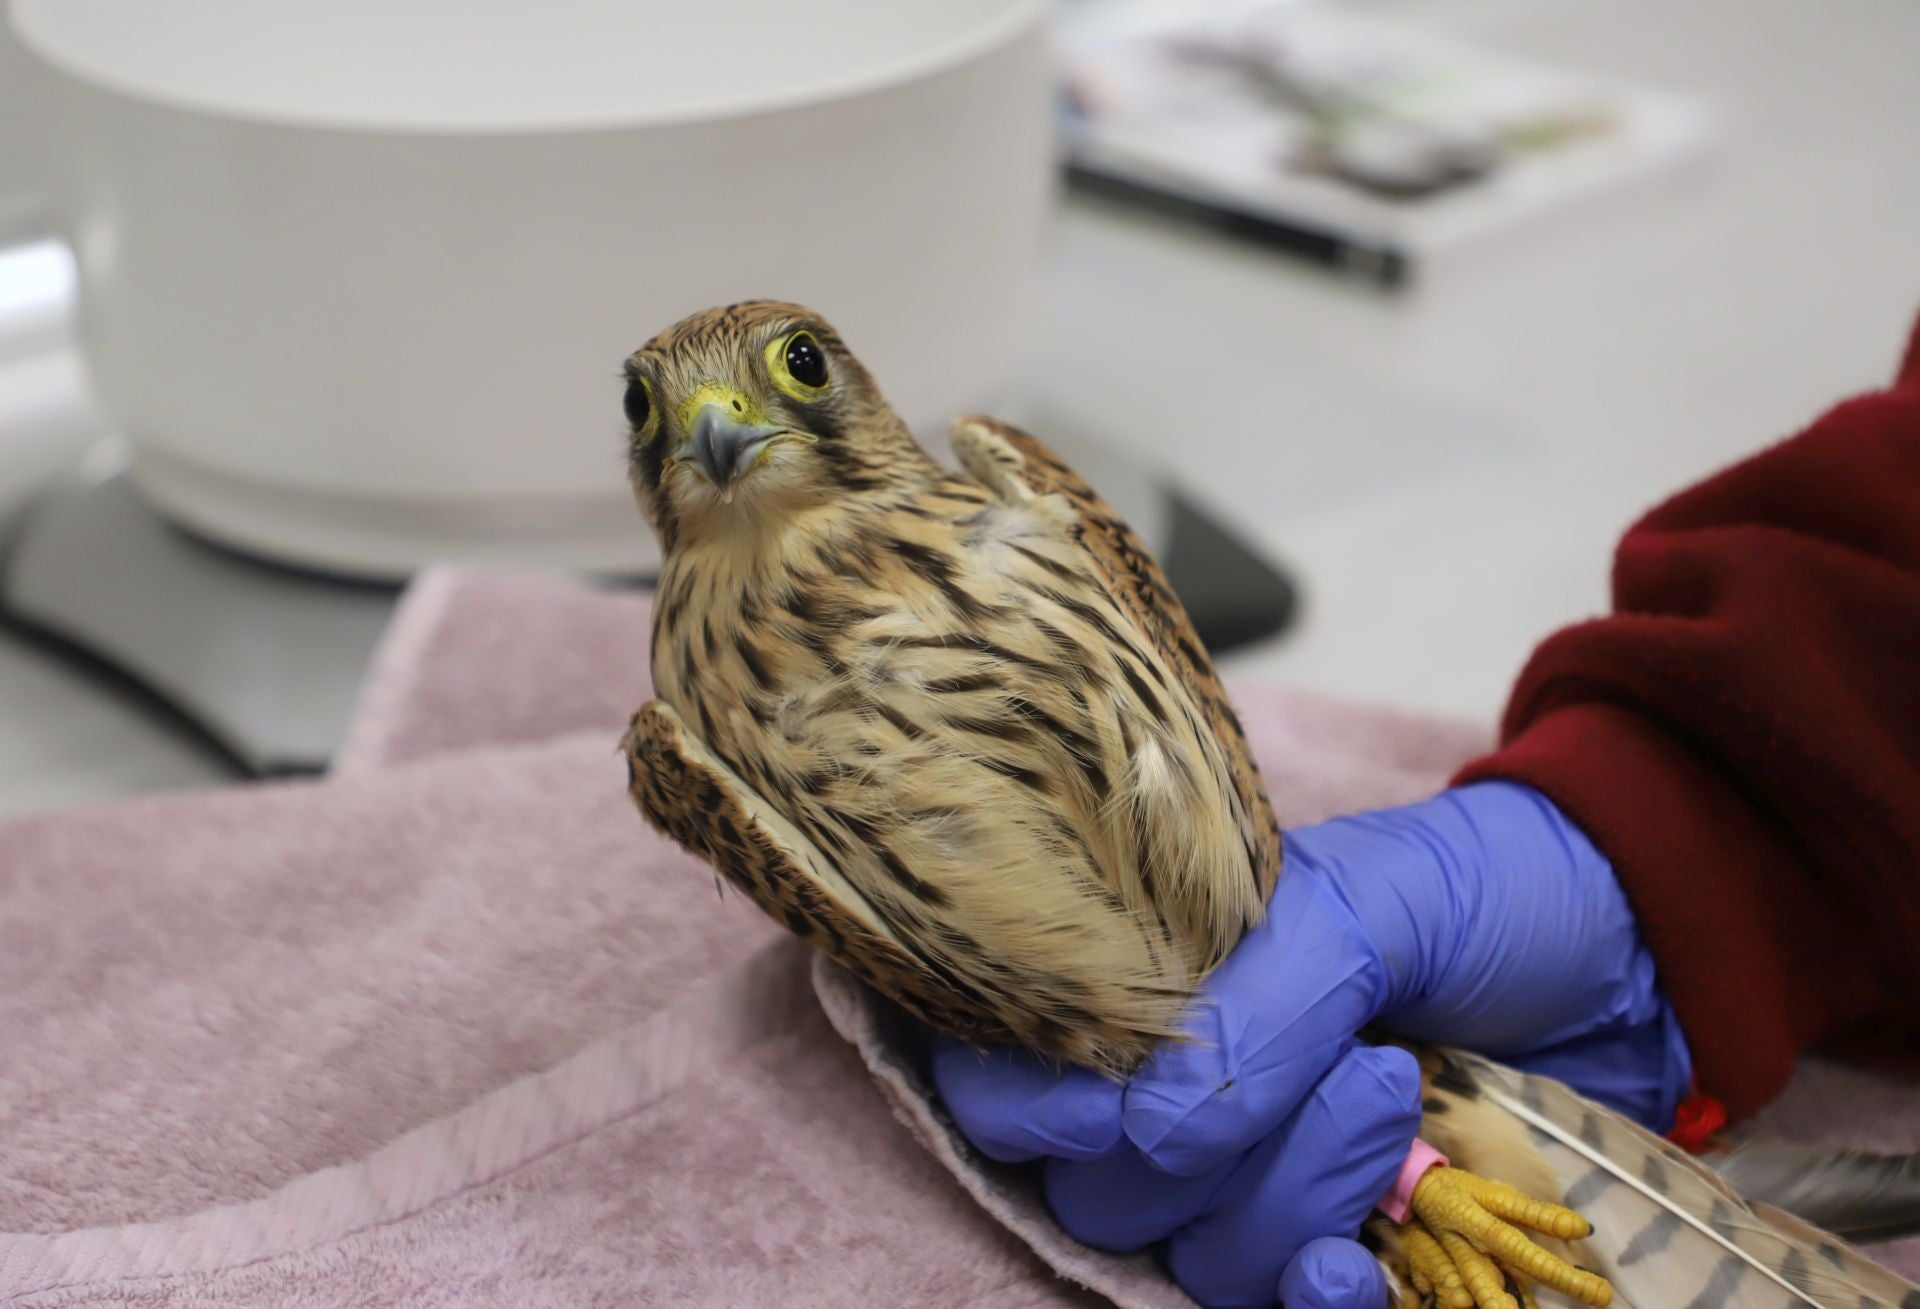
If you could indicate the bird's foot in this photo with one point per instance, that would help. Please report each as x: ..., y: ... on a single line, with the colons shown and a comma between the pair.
x: 1465, y: 1248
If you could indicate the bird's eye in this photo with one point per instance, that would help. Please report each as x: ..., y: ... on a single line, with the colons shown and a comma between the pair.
x: 806, y: 361
x: 639, y: 403
x: 797, y: 364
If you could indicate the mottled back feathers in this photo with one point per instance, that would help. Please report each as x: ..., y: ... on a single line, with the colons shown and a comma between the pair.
x: 973, y: 696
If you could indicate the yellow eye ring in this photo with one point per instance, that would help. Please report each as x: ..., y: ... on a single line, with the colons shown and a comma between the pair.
x: 638, y: 403
x: 798, y: 365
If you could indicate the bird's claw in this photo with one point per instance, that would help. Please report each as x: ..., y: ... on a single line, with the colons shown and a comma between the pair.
x: 1466, y: 1250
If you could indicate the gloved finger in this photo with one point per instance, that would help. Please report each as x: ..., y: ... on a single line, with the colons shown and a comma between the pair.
x: 1014, y: 1106
x: 1268, y: 1022
x: 1123, y: 1203
x: 1333, y: 1273
x: 1320, y: 1175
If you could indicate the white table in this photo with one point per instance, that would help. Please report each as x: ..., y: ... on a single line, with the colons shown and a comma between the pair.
x: 1552, y: 385
x: 1446, y: 469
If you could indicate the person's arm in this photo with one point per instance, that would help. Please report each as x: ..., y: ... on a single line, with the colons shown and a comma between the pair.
x: 1741, y: 736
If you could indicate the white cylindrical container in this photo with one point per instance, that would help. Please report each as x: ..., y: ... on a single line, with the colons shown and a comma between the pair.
x: 357, y: 277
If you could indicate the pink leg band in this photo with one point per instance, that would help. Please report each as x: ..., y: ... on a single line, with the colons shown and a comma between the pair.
x: 1399, y: 1201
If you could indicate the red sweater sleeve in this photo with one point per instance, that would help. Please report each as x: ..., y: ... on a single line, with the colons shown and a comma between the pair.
x: 1741, y: 736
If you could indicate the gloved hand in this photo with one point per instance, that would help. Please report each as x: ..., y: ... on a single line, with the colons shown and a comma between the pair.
x: 1244, y: 1231
x: 1480, y: 918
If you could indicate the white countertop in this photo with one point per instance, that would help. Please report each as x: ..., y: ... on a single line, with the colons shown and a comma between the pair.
x: 1557, y: 383
x: 1446, y: 469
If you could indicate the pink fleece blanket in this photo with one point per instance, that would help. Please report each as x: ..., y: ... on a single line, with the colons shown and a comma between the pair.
x: 453, y: 1027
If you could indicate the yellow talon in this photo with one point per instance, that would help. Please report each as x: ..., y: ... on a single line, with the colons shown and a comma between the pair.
x: 1518, y: 1207
x: 1486, y: 1282
x: 1432, y: 1272
x: 1473, y: 1210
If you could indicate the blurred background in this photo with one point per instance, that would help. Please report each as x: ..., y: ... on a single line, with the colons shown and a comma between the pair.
x: 1383, y: 317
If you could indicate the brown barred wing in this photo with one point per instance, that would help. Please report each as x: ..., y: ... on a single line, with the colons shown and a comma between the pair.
x: 694, y: 799
x: 1009, y: 461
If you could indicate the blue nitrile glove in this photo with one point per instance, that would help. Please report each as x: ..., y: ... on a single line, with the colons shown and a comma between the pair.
x: 1252, y: 1228
x: 1481, y: 918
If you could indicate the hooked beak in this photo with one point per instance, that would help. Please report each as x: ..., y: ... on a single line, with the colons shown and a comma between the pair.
x: 725, y: 448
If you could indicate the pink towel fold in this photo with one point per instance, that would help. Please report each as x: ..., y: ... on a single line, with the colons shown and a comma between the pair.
x: 454, y: 1027
x: 498, y: 657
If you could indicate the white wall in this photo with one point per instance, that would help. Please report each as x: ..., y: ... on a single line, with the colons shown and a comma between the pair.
x: 25, y: 160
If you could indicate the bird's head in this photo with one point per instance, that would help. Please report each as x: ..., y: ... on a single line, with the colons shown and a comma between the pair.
x: 754, y: 410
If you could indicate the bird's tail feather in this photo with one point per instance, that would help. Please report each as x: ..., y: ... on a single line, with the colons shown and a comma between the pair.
x: 1864, y: 1197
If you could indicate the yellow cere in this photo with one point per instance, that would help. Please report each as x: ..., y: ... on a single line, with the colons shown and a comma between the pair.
x: 732, y: 399
x: 777, y: 368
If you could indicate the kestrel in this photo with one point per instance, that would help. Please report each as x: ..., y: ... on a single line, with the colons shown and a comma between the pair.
x: 972, y: 698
